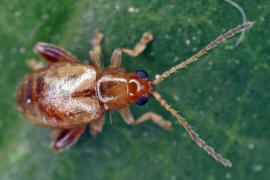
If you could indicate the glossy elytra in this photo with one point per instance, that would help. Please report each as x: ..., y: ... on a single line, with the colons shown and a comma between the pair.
x: 67, y: 95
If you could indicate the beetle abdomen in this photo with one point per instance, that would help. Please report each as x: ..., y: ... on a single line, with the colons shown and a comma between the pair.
x: 61, y: 95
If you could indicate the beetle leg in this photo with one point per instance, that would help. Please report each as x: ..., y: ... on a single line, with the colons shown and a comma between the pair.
x: 53, y: 54
x: 96, y: 60
x: 157, y: 119
x: 95, y: 52
x: 140, y: 46
x: 116, y: 58
x: 34, y: 65
x: 96, y: 126
x: 63, y: 139
x: 126, y: 115
x: 97, y: 43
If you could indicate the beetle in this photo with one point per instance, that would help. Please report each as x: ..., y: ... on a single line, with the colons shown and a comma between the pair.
x: 67, y: 95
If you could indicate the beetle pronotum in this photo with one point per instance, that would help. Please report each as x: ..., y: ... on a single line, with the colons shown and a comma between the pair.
x: 67, y: 95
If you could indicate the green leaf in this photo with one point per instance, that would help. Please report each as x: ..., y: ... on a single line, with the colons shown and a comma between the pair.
x: 224, y: 96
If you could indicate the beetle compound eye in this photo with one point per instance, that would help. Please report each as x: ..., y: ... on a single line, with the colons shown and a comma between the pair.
x: 143, y: 100
x: 141, y: 73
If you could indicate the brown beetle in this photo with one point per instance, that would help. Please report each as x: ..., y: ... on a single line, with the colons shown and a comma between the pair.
x: 66, y: 95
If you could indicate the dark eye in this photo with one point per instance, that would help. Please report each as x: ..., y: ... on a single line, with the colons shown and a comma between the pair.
x: 141, y: 73
x: 143, y: 100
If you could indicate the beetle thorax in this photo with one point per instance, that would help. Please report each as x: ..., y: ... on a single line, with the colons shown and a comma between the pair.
x: 116, y: 88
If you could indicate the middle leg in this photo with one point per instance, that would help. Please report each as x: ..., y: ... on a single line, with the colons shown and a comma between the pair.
x: 34, y: 65
x: 96, y: 126
x: 96, y: 53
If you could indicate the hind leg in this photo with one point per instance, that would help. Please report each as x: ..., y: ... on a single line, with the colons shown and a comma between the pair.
x: 53, y: 54
x: 63, y: 139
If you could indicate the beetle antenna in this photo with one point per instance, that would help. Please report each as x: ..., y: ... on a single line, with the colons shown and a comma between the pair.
x: 193, y: 134
x: 211, y: 45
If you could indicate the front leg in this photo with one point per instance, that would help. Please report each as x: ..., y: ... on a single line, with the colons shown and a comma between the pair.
x: 157, y: 119
x: 140, y: 46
